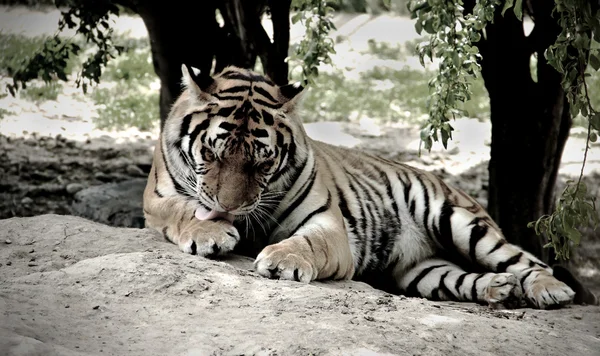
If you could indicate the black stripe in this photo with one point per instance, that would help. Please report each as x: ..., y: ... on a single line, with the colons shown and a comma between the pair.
x: 235, y: 75
x: 235, y: 89
x: 320, y: 210
x: 444, y: 235
x: 444, y: 288
x: 185, y: 125
x: 228, y: 126
x: 388, y: 184
x: 459, y: 282
x: 267, y: 118
x: 279, y: 141
x: 502, y: 266
x: 362, y: 216
x: 230, y: 97
x: 259, y: 133
x: 306, y: 188
x: 477, y: 233
x: 267, y: 104
x: 524, y: 277
x: 412, y: 290
x: 497, y: 246
x: 223, y: 135
x: 343, y: 204
x: 412, y: 209
x: 426, y: 202
x: 474, y: 287
x: 406, y: 187
x: 264, y: 93
x: 224, y: 112
x: 178, y: 188
x: 156, y: 184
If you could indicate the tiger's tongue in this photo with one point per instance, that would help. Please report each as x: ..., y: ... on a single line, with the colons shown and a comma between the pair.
x: 202, y: 214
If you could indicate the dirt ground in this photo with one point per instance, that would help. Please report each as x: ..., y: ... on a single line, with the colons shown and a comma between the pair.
x: 73, y: 287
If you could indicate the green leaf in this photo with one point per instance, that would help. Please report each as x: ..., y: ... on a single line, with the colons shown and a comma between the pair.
x: 595, y: 121
x: 507, y: 5
x: 593, y: 137
x: 418, y: 27
x: 518, y: 9
x: 594, y: 62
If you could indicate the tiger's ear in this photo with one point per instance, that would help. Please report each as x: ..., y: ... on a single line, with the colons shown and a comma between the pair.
x: 199, y: 84
x: 290, y: 96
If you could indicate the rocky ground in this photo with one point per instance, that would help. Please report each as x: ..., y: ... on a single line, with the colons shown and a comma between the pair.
x: 73, y: 287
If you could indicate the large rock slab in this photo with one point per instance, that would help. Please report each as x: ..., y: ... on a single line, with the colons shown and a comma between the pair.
x: 69, y: 286
x: 116, y: 204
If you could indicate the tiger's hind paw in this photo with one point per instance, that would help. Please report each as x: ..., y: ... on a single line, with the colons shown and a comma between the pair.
x: 504, y: 292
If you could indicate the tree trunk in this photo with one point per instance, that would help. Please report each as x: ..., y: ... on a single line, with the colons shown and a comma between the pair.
x: 178, y: 37
x: 194, y: 37
x: 530, y: 124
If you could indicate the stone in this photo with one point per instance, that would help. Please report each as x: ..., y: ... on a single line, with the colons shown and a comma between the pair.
x: 73, y: 188
x: 234, y: 311
x: 114, y: 204
x: 135, y: 171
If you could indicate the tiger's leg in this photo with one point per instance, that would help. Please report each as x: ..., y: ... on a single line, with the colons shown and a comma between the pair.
x: 173, y: 216
x: 319, y: 249
x: 480, y: 240
x: 437, y: 279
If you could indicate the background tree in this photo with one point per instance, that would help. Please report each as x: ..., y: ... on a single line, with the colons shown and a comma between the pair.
x: 530, y: 117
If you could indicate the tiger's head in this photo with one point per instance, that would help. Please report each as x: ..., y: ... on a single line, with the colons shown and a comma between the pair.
x: 229, y: 136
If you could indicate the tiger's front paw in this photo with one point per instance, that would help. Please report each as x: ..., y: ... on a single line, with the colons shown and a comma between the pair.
x: 283, y: 261
x: 544, y: 291
x: 208, y: 238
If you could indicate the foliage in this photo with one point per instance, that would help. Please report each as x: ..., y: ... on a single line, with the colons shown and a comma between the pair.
x: 126, y: 106
x: 316, y: 46
x: 51, y: 62
x: 4, y: 112
x: 46, y: 91
x: 129, y: 103
x: 381, y: 93
x: 574, y: 209
x: 451, y: 37
x: 575, y: 47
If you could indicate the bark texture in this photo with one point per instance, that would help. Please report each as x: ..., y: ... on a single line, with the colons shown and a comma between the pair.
x: 189, y: 32
x: 530, y: 124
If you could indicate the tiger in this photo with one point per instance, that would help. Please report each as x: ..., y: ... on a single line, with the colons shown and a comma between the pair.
x: 234, y: 170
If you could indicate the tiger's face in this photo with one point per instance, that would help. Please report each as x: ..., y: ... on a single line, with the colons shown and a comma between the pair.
x: 230, y: 136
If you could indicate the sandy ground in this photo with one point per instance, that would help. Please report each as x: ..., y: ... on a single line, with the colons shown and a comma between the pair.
x: 73, y: 287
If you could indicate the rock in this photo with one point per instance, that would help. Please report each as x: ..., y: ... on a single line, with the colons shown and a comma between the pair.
x: 135, y: 171
x: 232, y: 310
x: 115, y: 204
x: 73, y: 188
x: 26, y: 200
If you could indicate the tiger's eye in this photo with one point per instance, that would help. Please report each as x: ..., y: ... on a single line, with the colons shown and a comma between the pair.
x: 208, y: 155
x: 265, y: 167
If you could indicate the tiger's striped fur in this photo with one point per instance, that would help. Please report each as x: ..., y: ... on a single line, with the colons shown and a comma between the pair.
x: 234, y: 144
